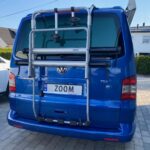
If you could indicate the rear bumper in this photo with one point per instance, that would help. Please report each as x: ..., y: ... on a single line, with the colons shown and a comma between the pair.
x: 124, y: 134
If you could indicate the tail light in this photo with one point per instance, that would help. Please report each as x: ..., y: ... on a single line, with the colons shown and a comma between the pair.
x: 12, y: 82
x: 129, y: 89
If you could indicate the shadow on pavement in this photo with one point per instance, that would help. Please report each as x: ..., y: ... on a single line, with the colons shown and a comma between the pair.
x: 3, y: 99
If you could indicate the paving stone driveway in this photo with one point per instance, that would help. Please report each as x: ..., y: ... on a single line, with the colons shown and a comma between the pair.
x: 17, y: 139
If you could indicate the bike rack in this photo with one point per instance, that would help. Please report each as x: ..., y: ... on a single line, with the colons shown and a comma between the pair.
x: 34, y: 51
x: 130, y: 11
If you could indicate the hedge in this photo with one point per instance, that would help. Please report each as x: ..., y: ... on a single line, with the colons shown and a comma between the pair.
x: 6, y: 55
x: 5, y: 52
x: 143, y: 65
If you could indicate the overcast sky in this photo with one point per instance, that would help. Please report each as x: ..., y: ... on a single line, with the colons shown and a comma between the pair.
x: 8, y: 7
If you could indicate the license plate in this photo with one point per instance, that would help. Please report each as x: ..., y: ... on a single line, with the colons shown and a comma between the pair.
x: 63, y: 89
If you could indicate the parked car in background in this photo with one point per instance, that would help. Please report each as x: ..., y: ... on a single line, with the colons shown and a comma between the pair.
x: 5, y: 64
x: 4, y: 75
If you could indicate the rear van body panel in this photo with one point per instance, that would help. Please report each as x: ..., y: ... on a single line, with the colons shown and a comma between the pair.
x: 110, y: 116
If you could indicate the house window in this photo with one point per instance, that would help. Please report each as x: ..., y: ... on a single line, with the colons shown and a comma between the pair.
x: 146, y: 39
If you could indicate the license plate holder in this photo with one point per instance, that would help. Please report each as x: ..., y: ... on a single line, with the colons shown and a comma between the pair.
x: 63, y: 89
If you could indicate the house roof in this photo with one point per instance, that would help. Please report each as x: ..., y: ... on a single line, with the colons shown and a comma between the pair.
x: 139, y: 29
x: 7, y: 35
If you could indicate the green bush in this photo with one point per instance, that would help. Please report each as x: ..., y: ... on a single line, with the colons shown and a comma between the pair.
x: 6, y: 52
x: 143, y: 65
x: 6, y: 55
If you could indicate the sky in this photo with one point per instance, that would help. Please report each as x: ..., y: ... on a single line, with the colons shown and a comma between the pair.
x: 8, y: 7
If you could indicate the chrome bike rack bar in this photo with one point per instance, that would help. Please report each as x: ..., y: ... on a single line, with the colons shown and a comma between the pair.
x: 56, y: 20
x: 59, y: 51
x: 59, y: 63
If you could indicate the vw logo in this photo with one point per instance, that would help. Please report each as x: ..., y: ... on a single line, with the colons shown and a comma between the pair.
x: 62, y: 70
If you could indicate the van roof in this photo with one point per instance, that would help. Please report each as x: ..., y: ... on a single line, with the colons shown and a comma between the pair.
x: 116, y: 9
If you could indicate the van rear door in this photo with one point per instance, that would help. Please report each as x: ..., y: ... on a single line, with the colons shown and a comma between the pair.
x: 62, y: 90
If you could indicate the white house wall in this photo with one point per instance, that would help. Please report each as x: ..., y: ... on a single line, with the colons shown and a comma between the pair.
x: 139, y: 46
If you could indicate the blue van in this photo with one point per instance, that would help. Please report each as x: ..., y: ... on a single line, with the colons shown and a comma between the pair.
x: 73, y: 74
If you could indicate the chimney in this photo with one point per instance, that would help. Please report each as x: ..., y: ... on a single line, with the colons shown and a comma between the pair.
x: 137, y: 26
x: 143, y: 24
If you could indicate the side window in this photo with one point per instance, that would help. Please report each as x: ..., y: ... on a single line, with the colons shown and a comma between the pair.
x: 105, y: 30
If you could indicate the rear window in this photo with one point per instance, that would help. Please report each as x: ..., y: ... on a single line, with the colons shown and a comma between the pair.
x: 105, y: 33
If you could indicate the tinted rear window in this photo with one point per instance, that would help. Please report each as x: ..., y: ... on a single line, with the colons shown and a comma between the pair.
x: 105, y: 33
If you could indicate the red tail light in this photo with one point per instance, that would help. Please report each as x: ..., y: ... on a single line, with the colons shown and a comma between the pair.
x: 12, y: 82
x: 129, y: 89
